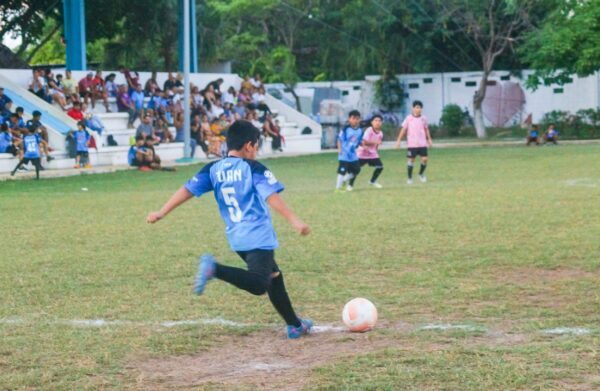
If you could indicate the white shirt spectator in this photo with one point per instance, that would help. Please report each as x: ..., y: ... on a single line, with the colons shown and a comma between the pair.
x: 257, y: 97
x: 229, y: 98
x: 216, y: 111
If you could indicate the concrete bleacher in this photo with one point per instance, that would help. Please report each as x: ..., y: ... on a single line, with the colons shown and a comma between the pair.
x: 291, y: 122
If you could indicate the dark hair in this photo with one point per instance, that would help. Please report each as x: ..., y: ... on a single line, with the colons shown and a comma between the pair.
x: 376, y: 116
x: 32, y: 127
x: 81, y: 123
x: 354, y: 113
x: 534, y: 126
x: 240, y: 133
x: 36, y: 113
x: 19, y: 109
x: 417, y: 103
x: 4, y: 128
x: 140, y: 137
x: 14, y: 115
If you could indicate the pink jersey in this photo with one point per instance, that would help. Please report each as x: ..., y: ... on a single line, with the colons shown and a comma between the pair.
x: 370, y: 151
x: 416, y: 134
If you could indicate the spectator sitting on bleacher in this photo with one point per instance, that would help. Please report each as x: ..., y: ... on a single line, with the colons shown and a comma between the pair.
x: 110, y: 85
x: 54, y: 91
x: 68, y: 84
x: 6, y: 110
x: 4, y: 99
x: 136, y: 156
x: 216, y: 87
x: 152, y: 157
x: 17, y: 128
x: 209, y: 96
x: 92, y: 121
x: 256, y: 81
x: 76, y: 112
x: 271, y: 129
x: 170, y: 82
x: 8, y: 143
x: 197, y: 99
x: 86, y: 88
x: 37, y: 84
x: 246, y: 84
x: 239, y: 110
x: 162, y: 131
x: 259, y: 96
x: 145, y: 128
x: 99, y: 91
x: 230, y: 96
x: 137, y: 97
x: 125, y: 105
x: 151, y: 85
x: 216, y: 110
x: 19, y: 112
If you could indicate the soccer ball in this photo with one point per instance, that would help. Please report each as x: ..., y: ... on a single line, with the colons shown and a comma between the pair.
x: 359, y: 315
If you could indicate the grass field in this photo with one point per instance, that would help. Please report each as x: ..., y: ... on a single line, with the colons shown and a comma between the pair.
x: 468, y: 271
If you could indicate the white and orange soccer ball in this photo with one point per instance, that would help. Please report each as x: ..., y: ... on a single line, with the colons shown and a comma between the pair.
x: 359, y: 315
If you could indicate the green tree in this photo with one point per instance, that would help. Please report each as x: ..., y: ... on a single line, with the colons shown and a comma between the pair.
x: 567, y: 43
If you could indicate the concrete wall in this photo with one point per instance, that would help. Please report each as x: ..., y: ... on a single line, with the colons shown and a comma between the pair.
x: 436, y: 90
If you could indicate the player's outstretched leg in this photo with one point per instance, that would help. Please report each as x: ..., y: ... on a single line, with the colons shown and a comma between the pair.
x: 207, y: 266
x: 296, y: 327
x: 19, y: 165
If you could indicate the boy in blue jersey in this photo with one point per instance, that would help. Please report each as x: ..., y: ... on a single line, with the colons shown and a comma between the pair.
x: 31, y: 150
x: 534, y: 135
x: 349, y: 139
x: 243, y: 188
x: 8, y: 144
x: 81, y: 137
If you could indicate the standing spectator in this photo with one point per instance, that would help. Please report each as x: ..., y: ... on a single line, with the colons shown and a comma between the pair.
x: 131, y: 78
x: 125, y: 105
x: 137, y: 97
x: 81, y: 137
x: 100, y: 91
x: 76, y: 112
x: 110, y: 85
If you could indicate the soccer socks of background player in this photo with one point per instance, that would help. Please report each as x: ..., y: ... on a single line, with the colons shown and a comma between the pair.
x: 410, y: 169
x: 340, y: 181
x: 376, y: 174
x: 351, y: 180
x: 281, y: 301
x: 422, y: 169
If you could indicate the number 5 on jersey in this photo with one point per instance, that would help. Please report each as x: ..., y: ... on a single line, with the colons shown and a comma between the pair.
x: 235, y: 214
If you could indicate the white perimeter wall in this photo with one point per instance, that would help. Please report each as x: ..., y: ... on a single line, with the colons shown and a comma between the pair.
x: 582, y: 93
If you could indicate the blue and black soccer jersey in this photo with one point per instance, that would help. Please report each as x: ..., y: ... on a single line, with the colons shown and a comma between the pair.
x: 31, y: 146
x: 131, y: 154
x: 241, y: 188
x: 350, y: 139
x: 81, y: 140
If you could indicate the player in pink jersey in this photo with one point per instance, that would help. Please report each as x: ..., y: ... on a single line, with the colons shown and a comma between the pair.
x: 368, y: 152
x: 418, y: 138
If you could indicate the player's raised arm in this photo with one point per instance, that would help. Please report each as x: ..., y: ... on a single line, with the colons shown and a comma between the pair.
x: 180, y: 196
x: 277, y: 204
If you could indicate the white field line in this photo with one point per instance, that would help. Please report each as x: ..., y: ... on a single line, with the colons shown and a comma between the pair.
x: 321, y: 328
x: 567, y: 330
